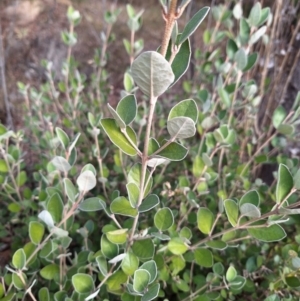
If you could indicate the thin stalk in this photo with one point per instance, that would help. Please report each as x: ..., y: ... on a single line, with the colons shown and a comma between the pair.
x: 144, y: 163
x: 170, y: 19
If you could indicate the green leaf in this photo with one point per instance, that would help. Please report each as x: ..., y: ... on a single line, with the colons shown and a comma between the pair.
x: 255, y: 14
x: 141, y: 280
x: 151, y: 267
x: 47, y: 249
x: 115, y: 281
x: 218, y: 268
x: 181, y: 127
x: 21, y: 178
x: 46, y: 217
x: 292, y: 281
x: 153, y: 146
x: 9, y: 296
x: 63, y: 138
x: 252, y: 59
x: 43, y: 294
x: 285, y: 183
x: 130, y: 264
x: 278, y: 116
x: 36, y: 232
x: 203, y: 257
x: 205, y: 220
x: 268, y: 234
x: 122, y: 206
x: 231, y: 48
x: 225, y: 98
x: 238, y: 11
x: 118, y: 138
x: 241, y: 59
x: 86, y: 181
x: 185, y: 108
x: 134, y: 176
x: 133, y: 194
x: 231, y: 273
x: 193, y: 24
x: 177, y: 246
x: 109, y: 250
x: 244, y: 30
x: 70, y: 190
x: 18, y: 282
x: 152, y: 292
x: 50, y: 272
x: 286, y: 129
x: 92, y: 204
x: 173, y: 152
x: 19, y: 259
x: 238, y: 283
x: 216, y: 244
x: 152, y: 73
x: 265, y: 13
x: 143, y: 249
x: 127, y: 108
x: 250, y: 210
x: 164, y: 219
x: 3, y: 166
x: 182, y: 59
x: 116, y: 117
x: 151, y: 201
x: 251, y: 197
x: 61, y: 164
x: 55, y: 207
x: 257, y: 35
x: 128, y: 80
x: 83, y: 283
x: 232, y: 211
x: 117, y: 236
x: 102, y: 265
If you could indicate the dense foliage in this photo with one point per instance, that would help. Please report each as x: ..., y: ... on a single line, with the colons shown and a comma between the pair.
x: 160, y: 196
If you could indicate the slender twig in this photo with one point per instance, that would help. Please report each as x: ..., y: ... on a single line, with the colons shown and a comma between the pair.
x: 170, y: 19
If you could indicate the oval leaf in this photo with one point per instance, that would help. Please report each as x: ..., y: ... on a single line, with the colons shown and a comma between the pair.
x: 193, y: 24
x: 250, y: 210
x: 251, y: 197
x: 36, y: 232
x: 152, y: 73
x: 285, y: 183
x: 173, y: 152
x: 122, y: 206
x: 118, y: 138
x: 92, y: 204
x: 164, y: 219
x: 86, y: 181
x: 130, y: 264
x: 203, y: 257
x: 181, y: 127
x: 127, y: 108
x: 19, y: 259
x: 185, y: 108
x: 141, y: 280
x: 268, y: 234
x: 232, y: 211
x: 143, y: 249
x: 83, y: 283
x: 151, y: 201
x: 205, y: 220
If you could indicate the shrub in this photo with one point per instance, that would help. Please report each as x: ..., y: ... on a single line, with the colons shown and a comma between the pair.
x: 140, y: 226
